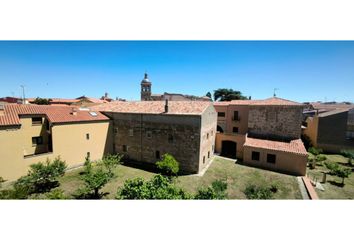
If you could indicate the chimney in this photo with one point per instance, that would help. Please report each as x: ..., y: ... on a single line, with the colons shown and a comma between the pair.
x: 166, y: 106
x: 74, y: 111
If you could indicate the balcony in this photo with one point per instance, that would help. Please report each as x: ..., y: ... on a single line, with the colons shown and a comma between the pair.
x: 236, y: 119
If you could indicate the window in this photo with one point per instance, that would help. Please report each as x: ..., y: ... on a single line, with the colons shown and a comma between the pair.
x: 203, y: 159
x: 37, y: 141
x: 170, y: 138
x: 255, y: 156
x: 209, y: 154
x: 131, y: 132
x: 87, y: 136
x: 271, y: 158
x: 125, y: 148
x: 221, y: 114
x: 148, y: 134
x: 157, y: 154
x: 88, y: 154
x: 207, y: 135
x: 236, y: 118
x: 36, y: 120
x: 116, y: 130
x: 235, y: 129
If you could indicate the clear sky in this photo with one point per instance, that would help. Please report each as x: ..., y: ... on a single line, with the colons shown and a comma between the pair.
x: 302, y: 71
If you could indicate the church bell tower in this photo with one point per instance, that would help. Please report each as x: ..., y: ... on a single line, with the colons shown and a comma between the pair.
x: 145, y: 93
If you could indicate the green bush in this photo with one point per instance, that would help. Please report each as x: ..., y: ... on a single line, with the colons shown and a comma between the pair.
x: 168, y: 166
x: 159, y: 187
x: 258, y: 192
x: 111, y: 161
x: 206, y: 193
x: 56, y: 194
x: 315, y: 151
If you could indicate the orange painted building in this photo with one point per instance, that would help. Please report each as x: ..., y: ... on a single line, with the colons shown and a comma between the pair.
x: 262, y: 133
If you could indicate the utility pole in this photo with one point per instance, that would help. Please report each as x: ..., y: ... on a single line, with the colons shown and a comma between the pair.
x: 275, y: 89
x: 23, y: 94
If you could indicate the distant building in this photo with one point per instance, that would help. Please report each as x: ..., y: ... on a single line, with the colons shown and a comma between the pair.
x: 11, y: 99
x: 330, y: 130
x: 145, y: 130
x: 146, y: 94
x: 262, y: 133
x: 32, y: 133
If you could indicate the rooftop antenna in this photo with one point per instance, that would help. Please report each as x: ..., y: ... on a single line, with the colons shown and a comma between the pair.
x: 23, y: 94
x: 275, y: 89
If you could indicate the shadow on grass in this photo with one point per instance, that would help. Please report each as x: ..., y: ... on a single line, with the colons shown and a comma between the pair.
x: 336, y: 183
x: 89, y: 196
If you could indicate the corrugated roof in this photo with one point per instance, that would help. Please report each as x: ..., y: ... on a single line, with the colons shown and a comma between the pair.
x: 155, y: 107
x: 294, y: 146
x: 55, y: 114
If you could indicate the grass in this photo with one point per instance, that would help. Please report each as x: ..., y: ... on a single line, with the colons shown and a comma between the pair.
x: 332, y: 187
x: 236, y: 175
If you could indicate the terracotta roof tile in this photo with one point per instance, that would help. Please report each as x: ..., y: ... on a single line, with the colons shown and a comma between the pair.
x: 55, y: 114
x: 274, y: 101
x: 294, y: 146
x: 155, y: 107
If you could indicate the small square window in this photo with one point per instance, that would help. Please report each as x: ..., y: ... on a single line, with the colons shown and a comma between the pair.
x: 209, y: 154
x: 235, y: 129
x: 255, y: 156
x: 131, y: 132
x: 157, y: 154
x: 271, y: 158
x: 88, y: 155
x: 37, y: 141
x: 87, y: 136
x: 148, y: 134
x: 116, y: 130
x: 221, y: 114
x: 207, y: 135
x: 170, y: 138
x: 37, y: 120
x: 125, y: 148
x: 203, y: 159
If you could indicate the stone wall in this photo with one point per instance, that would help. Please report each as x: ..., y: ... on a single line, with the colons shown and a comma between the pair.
x: 278, y: 122
x: 145, y: 134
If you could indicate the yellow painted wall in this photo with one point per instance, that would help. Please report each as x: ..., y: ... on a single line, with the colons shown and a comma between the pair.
x: 69, y: 141
x: 312, y: 129
x: 238, y: 138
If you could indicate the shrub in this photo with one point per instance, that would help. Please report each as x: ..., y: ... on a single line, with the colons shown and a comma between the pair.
x: 56, y: 194
x: 1, y: 181
x: 315, y: 151
x: 206, y: 193
x: 258, y: 192
x: 216, y: 191
x: 111, y: 161
x: 159, y: 187
x: 332, y: 167
x: 168, y: 165
x: 349, y: 154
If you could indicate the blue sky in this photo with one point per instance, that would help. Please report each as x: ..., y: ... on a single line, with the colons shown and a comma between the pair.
x: 302, y: 71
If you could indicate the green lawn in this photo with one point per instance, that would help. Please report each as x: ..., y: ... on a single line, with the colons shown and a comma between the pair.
x: 237, y: 176
x: 332, y: 189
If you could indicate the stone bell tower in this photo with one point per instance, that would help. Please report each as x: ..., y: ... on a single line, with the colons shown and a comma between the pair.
x: 145, y: 93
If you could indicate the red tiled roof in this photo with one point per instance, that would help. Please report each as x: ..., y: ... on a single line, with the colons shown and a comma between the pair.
x: 55, y: 114
x: 155, y: 107
x: 274, y: 101
x: 294, y: 146
x: 57, y: 100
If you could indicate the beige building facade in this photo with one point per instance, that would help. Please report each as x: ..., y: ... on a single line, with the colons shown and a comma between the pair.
x: 30, y: 134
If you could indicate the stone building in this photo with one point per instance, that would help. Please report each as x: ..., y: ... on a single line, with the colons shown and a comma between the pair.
x: 147, y: 95
x: 263, y: 133
x: 145, y: 130
x: 329, y: 130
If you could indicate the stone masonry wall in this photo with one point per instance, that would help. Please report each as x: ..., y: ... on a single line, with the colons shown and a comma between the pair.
x: 279, y: 122
x: 144, y: 134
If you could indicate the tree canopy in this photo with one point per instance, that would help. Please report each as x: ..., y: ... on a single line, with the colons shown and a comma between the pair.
x: 42, y: 101
x: 224, y: 94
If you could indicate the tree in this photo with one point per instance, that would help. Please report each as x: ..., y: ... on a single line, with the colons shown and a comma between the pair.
x: 258, y: 192
x: 208, y: 95
x: 94, y: 180
x: 349, y: 154
x: 343, y: 172
x: 315, y: 151
x: 42, y: 101
x: 224, y: 94
x: 159, y: 187
x: 111, y: 161
x: 168, y: 166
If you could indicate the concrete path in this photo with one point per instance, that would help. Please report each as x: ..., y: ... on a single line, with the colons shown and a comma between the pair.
x: 310, y: 189
x: 303, y: 190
